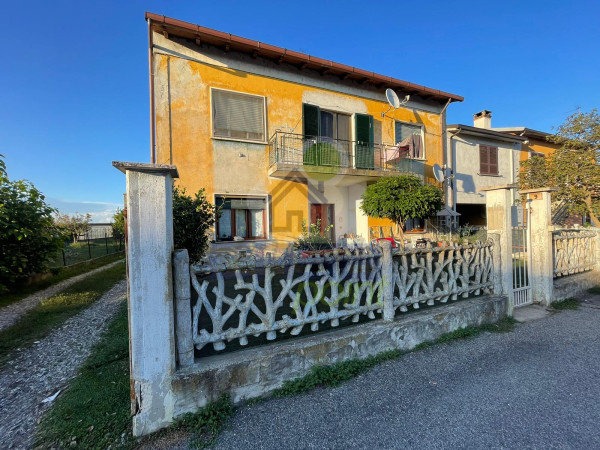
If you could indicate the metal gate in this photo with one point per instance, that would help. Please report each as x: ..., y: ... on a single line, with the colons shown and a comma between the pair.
x: 521, y: 257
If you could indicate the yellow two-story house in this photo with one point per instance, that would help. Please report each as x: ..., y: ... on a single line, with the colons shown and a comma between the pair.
x: 277, y: 137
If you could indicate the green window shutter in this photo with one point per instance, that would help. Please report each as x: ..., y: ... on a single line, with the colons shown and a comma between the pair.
x: 365, y: 151
x: 310, y: 120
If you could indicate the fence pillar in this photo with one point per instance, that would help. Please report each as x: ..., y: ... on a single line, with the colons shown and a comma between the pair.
x: 498, y: 204
x: 183, y: 311
x: 542, y: 253
x: 387, y: 279
x: 151, y: 332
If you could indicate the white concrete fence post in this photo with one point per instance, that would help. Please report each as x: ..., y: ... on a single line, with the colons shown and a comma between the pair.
x: 542, y: 253
x: 387, y: 278
x: 151, y: 331
x: 498, y: 203
x: 183, y: 311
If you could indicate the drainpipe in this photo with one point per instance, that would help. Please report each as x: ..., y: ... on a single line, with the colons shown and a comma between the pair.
x: 151, y: 66
x: 444, y: 144
x: 452, y: 164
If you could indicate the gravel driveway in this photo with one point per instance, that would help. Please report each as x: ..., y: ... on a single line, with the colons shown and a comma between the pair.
x: 536, y: 387
x: 40, y: 371
x: 13, y: 312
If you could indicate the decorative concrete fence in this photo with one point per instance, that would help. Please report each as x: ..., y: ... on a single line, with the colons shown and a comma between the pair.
x: 319, y: 309
x: 248, y: 297
x: 574, y: 251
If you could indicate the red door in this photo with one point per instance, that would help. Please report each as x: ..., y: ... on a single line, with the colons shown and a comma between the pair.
x: 324, y: 213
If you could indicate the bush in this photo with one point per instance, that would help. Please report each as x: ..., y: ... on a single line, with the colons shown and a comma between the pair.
x: 28, y: 237
x: 312, y: 238
x: 118, y: 224
x: 192, y: 218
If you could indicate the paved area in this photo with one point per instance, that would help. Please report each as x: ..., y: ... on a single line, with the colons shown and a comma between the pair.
x: 44, y: 369
x: 536, y: 387
x: 531, y: 312
x: 11, y: 313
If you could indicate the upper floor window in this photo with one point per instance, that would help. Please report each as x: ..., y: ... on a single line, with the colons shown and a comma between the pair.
x: 238, y: 116
x: 488, y: 160
x: 410, y: 137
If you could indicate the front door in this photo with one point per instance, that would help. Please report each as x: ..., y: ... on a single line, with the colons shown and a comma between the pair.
x: 325, y: 214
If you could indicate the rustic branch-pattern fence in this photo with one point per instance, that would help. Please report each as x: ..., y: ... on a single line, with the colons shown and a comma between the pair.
x: 251, y: 296
x: 574, y: 252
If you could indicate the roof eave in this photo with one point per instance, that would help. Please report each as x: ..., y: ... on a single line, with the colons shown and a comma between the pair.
x: 208, y: 35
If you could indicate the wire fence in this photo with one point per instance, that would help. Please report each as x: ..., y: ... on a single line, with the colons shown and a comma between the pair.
x: 87, y: 249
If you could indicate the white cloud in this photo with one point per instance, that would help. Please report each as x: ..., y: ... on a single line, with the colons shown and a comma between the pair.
x: 101, y: 212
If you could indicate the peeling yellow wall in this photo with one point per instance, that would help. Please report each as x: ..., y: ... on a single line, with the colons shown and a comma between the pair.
x: 183, y: 134
x: 538, y: 146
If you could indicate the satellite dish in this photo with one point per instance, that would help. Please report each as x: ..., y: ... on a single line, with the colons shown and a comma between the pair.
x: 438, y: 173
x: 392, y: 98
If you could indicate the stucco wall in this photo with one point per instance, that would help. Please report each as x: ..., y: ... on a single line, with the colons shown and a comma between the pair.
x: 184, y: 76
x: 468, y: 181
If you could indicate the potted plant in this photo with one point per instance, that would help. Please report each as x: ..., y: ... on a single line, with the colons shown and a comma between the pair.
x: 313, y: 240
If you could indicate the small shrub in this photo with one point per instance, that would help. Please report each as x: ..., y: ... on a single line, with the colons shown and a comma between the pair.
x: 312, y: 238
x: 192, y: 218
x: 568, y: 303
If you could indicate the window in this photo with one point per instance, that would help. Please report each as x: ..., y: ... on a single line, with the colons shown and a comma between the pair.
x: 244, y: 217
x: 488, y: 160
x: 238, y: 116
x: 404, y: 136
x: 414, y: 225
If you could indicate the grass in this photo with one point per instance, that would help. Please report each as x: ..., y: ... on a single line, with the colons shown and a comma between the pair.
x: 78, y: 252
x: 40, y: 321
x: 595, y: 290
x: 58, y: 275
x: 568, y: 303
x: 94, y: 410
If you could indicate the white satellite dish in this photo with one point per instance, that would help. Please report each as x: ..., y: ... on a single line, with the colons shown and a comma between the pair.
x: 392, y: 98
x: 438, y: 173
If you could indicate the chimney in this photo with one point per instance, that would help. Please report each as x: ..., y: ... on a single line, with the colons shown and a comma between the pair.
x: 483, y: 119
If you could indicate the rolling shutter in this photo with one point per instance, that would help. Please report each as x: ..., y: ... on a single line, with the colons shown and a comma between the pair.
x: 310, y: 120
x: 238, y: 115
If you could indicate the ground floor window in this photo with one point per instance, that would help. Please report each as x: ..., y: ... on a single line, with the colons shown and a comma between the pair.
x: 241, y: 217
x: 414, y: 225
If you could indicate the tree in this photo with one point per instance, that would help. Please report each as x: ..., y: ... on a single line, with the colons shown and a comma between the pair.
x: 28, y: 237
x: 73, y: 226
x: 118, y: 224
x: 192, y: 218
x: 573, y: 169
x: 400, y: 198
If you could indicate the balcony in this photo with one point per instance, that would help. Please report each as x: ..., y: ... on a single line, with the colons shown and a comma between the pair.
x: 294, y: 155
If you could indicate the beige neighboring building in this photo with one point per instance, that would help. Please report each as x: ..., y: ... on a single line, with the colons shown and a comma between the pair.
x: 480, y: 157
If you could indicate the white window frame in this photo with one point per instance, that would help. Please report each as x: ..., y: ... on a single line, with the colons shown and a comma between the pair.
x: 422, y: 127
x: 225, y: 138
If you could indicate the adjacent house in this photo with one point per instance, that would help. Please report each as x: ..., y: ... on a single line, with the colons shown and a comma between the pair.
x: 278, y: 137
x: 480, y: 157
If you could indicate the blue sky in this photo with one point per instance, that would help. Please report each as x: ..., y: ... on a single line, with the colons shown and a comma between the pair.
x: 75, y: 73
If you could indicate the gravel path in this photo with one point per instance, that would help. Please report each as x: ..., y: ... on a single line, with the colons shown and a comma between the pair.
x: 536, y: 387
x: 45, y: 368
x: 11, y: 313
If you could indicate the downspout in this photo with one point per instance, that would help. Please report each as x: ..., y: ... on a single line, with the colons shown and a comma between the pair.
x: 444, y: 145
x: 452, y: 160
x: 151, y: 67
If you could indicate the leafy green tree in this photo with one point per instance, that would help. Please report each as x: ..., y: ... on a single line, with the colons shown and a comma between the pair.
x: 192, y: 218
x: 573, y: 169
x: 28, y: 237
x: 401, y: 198
x: 118, y: 224
x: 73, y: 226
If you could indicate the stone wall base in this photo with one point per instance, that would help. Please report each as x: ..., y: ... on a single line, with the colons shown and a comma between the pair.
x: 570, y: 285
x: 256, y: 372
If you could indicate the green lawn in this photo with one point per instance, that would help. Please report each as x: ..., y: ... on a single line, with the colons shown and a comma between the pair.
x: 40, y: 321
x: 80, y: 251
x: 56, y: 277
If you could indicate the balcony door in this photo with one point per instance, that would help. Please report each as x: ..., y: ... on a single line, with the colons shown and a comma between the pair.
x: 365, y: 150
x: 323, y: 214
x: 326, y: 137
